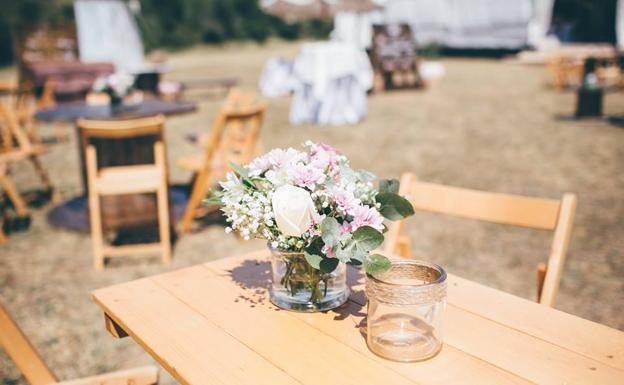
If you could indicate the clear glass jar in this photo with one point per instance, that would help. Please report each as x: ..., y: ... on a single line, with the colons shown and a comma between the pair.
x: 405, y: 308
x: 300, y: 287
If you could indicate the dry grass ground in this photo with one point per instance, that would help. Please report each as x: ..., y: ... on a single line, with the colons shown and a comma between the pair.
x: 486, y: 125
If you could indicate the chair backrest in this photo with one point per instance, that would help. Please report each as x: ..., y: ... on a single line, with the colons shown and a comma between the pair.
x: 22, y: 352
x: 122, y: 142
x: 235, y: 132
x: 537, y: 213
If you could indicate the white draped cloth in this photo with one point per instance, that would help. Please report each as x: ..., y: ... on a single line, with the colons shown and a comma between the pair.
x: 333, y: 80
x: 278, y: 78
x: 107, y: 32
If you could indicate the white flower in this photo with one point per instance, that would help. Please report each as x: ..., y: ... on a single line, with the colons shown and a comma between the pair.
x: 100, y: 84
x: 293, y: 209
x: 278, y: 177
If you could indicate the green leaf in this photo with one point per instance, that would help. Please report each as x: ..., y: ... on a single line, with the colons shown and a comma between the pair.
x: 389, y: 185
x: 355, y: 262
x: 367, y: 238
x: 328, y: 265
x: 240, y: 170
x: 394, y: 206
x: 315, y: 246
x: 313, y: 259
x: 351, y: 251
x: 330, y: 231
x: 376, y: 263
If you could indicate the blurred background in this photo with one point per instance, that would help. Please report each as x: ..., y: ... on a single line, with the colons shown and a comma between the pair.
x: 517, y: 96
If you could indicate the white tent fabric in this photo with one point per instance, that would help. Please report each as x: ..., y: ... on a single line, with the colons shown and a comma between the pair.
x: 464, y: 24
x: 107, y: 32
x: 278, y: 78
x: 540, y: 22
x: 454, y: 23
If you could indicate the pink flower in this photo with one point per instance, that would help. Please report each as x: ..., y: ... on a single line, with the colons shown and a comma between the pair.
x: 276, y: 159
x: 324, y: 156
x: 345, y: 228
x: 344, y: 200
x: 306, y: 176
x: 366, y: 216
x: 328, y: 251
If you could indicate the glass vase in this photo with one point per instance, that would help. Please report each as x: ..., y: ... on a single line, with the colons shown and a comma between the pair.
x: 299, y: 287
x: 405, y: 308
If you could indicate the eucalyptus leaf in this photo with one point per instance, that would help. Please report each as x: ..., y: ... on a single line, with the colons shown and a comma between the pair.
x: 315, y: 246
x: 330, y: 231
x: 367, y: 238
x: 394, y: 206
x: 376, y: 263
x: 313, y: 260
x: 240, y: 170
x: 328, y: 265
x: 389, y: 185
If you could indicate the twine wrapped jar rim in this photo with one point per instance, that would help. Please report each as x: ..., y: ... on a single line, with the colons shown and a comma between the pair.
x: 384, y: 290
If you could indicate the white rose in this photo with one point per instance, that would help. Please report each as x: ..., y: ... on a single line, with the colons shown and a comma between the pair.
x: 293, y: 209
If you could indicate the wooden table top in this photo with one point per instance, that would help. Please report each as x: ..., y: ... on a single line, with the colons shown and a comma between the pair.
x: 214, y: 324
x: 73, y: 111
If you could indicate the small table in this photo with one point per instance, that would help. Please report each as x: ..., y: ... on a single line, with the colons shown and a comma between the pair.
x: 70, y: 112
x: 73, y: 214
x: 213, y: 323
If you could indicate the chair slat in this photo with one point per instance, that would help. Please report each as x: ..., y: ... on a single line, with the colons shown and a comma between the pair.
x: 507, y: 209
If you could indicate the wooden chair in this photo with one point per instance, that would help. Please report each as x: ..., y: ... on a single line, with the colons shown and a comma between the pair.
x: 234, y: 138
x: 30, y: 364
x: 537, y: 213
x: 16, y: 145
x: 109, y: 181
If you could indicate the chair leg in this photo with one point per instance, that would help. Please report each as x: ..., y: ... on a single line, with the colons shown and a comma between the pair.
x: 3, y: 238
x: 163, y: 222
x: 541, y: 276
x: 97, y: 237
x: 59, y: 133
x: 197, y: 194
x: 404, y: 247
x: 45, y: 179
x: 7, y: 185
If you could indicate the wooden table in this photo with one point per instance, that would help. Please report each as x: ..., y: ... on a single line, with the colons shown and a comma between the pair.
x: 214, y: 324
x: 70, y: 112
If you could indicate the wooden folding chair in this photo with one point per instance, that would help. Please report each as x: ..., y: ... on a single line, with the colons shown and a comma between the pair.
x: 536, y: 213
x: 234, y: 138
x: 15, y: 145
x: 110, y: 181
x: 36, y: 372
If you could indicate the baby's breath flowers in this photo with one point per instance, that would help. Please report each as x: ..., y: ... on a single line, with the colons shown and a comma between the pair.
x: 314, y: 203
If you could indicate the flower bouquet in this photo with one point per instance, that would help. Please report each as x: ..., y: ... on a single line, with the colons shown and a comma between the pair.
x: 116, y: 86
x: 317, y: 214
